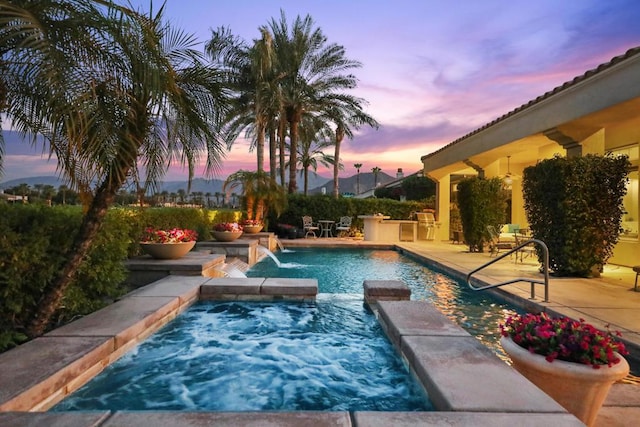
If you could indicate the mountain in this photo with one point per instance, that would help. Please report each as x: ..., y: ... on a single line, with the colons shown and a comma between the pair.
x: 197, y: 185
x: 32, y: 181
x: 350, y: 184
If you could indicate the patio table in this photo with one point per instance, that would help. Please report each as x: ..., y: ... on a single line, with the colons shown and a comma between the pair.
x: 325, y: 227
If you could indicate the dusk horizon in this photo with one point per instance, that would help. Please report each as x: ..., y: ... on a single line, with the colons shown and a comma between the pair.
x: 430, y: 73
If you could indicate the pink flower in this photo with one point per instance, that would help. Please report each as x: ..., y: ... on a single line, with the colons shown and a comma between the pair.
x: 175, y: 235
x: 564, y: 339
x: 228, y: 226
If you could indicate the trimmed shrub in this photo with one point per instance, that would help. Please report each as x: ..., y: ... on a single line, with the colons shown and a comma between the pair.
x: 574, y: 205
x: 328, y: 207
x: 481, y: 202
x: 34, y: 241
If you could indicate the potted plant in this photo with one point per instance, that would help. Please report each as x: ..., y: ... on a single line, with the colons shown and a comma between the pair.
x: 251, y: 226
x: 227, y: 231
x: 571, y: 361
x: 168, y: 244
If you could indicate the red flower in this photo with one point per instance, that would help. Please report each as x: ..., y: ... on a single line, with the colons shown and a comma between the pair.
x: 175, y: 235
x: 228, y: 226
x: 564, y: 339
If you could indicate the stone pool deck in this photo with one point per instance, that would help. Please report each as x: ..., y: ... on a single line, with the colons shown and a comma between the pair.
x: 606, y: 300
x: 467, y: 384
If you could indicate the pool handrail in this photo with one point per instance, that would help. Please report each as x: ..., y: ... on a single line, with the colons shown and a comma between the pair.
x: 545, y: 270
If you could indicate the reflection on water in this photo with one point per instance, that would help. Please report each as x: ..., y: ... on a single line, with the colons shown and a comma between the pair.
x: 344, y: 271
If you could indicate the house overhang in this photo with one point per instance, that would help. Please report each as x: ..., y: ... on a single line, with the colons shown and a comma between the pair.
x: 559, y: 118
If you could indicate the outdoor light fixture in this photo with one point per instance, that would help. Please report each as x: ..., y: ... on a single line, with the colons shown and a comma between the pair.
x: 507, y: 178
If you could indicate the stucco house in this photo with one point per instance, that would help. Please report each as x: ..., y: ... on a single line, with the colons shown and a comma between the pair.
x: 597, y: 112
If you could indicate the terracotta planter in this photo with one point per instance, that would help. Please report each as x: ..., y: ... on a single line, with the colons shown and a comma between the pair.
x: 252, y: 229
x: 226, y: 236
x: 167, y: 250
x: 579, y: 388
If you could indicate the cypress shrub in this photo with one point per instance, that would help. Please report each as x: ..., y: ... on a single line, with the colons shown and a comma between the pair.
x: 574, y: 205
x: 481, y: 202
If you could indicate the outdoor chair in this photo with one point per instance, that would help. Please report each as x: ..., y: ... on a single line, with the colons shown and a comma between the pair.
x: 526, y: 251
x: 344, y: 225
x: 495, y: 245
x: 309, y: 227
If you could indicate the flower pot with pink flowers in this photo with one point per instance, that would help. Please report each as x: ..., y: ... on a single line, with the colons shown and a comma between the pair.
x: 572, y: 361
x: 227, y: 231
x: 168, y: 244
x: 251, y: 226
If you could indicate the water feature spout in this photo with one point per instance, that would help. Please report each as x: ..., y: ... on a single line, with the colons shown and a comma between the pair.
x: 270, y: 254
x: 281, y: 246
x: 233, y: 271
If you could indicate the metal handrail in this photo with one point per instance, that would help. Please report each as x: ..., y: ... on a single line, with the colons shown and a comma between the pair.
x: 545, y: 270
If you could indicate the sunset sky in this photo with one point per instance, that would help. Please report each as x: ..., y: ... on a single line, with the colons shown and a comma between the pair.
x: 432, y: 71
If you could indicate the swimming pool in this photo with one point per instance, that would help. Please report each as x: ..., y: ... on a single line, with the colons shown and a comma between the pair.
x: 240, y: 352
x: 342, y: 270
x: 330, y: 355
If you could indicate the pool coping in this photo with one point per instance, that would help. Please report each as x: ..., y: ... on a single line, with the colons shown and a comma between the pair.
x: 464, y: 379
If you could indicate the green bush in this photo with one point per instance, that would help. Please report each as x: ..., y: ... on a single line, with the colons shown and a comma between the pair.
x: 200, y: 220
x: 328, y: 207
x: 481, y: 202
x: 34, y: 241
x: 574, y: 205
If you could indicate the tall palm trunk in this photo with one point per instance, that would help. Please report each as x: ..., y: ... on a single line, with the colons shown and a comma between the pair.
x: 282, y: 131
x: 260, y: 146
x: 294, y: 123
x: 336, y: 164
x: 273, y: 165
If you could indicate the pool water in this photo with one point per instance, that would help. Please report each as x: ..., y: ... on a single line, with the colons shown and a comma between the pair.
x: 330, y: 355
x: 327, y: 355
x: 341, y: 270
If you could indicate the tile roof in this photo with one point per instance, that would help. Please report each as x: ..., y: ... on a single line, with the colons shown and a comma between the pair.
x: 588, y: 74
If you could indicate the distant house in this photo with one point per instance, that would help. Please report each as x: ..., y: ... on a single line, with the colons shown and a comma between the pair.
x: 597, y: 112
x: 12, y: 198
x: 397, y: 182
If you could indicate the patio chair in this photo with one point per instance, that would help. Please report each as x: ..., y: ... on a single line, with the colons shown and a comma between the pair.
x: 309, y: 227
x: 344, y: 225
x: 526, y: 251
x: 495, y: 245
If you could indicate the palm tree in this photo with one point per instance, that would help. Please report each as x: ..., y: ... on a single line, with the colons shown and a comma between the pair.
x: 313, y: 141
x: 346, y: 113
x: 63, y: 189
x: 260, y: 193
x: 357, y: 166
x: 251, y: 74
x: 109, y: 89
x: 376, y: 170
x: 311, y: 70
